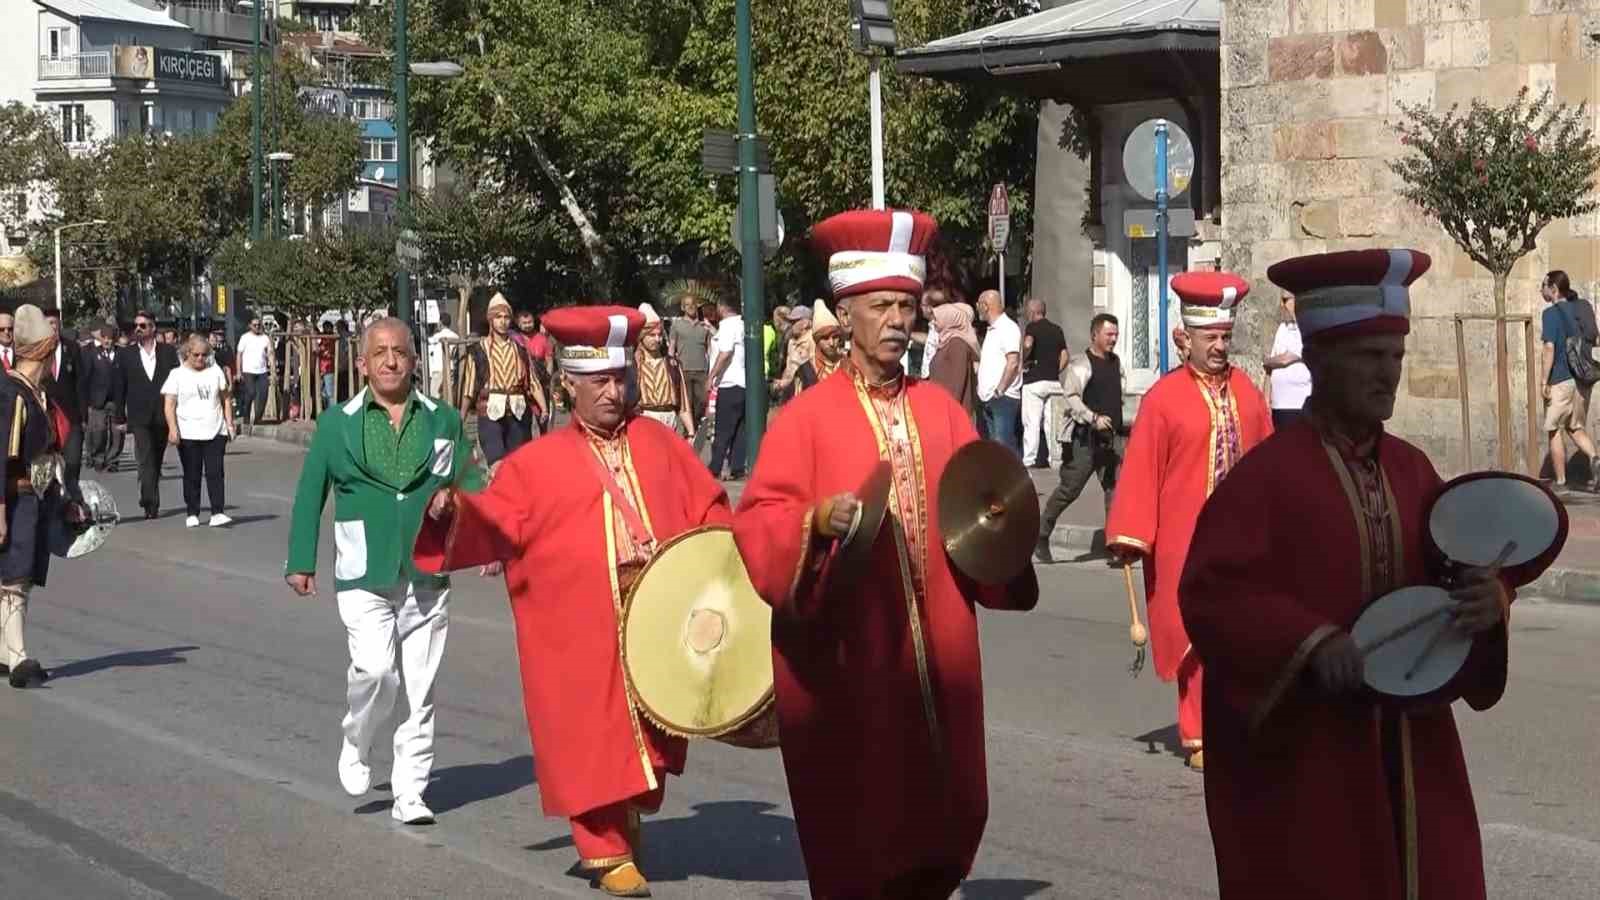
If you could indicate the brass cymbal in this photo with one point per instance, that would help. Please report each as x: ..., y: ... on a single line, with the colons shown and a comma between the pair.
x: 873, y: 502
x: 988, y: 512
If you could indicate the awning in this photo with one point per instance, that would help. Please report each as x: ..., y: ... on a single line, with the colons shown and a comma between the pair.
x: 1089, y: 51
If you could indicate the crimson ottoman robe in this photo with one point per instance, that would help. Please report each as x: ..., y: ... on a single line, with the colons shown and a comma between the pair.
x: 1310, y: 796
x: 878, y: 681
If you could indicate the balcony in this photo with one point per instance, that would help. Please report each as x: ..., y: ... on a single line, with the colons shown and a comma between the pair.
x: 96, y: 64
x: 216, y: 19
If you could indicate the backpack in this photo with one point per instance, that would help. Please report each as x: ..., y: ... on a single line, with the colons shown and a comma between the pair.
x: 1579, y: 343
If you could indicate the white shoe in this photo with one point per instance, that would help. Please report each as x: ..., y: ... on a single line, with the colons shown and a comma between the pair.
x: 355, y: 776
x: 191, y: 522
x: 411, y: 811
x: 219, y: 520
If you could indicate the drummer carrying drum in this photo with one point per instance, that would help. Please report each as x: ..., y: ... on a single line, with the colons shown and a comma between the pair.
x: 575, y: 516
x: 1329, y: 776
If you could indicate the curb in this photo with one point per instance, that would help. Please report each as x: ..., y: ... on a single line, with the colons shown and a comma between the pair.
x: 1080, y: 543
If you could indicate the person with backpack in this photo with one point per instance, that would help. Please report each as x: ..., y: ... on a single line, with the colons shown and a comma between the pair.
x: 1568, y: 329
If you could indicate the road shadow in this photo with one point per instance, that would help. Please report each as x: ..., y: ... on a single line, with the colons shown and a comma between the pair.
x: 131, y: 659
x: 1166, y: 737
x: 1002, y: 888
x: 737, y: 840
x: 247, y: 520
x: 458, y: 786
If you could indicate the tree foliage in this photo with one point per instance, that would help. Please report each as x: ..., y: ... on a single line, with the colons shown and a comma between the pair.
x: 304, y: 276
x: 603, y: 103
x: 471, y: 233
x: 1494, y: 177
x: 31, y: 155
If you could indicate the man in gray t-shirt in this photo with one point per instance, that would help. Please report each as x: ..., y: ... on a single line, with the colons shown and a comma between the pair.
x: 690, y: 342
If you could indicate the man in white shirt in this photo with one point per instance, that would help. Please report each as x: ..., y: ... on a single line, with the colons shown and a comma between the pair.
x: 727, y: 374
x: 1291, y: 380
x: 1000, y: 372
x: 254, y: 352
x: 7, y: 332
x: 437, y: 355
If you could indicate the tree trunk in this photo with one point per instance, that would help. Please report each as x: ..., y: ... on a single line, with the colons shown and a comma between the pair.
x: 1502, y: 374
x: 464, y: 305
x: 593, y: 243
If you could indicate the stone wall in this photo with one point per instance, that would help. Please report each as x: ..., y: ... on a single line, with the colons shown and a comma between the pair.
x: 1311, y: 92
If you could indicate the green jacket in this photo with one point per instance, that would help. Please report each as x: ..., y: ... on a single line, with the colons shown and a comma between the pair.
x: 375, y: 523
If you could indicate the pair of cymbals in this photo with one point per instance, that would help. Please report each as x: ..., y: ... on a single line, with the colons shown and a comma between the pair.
x: 988, y: 512
x: 872, y: 505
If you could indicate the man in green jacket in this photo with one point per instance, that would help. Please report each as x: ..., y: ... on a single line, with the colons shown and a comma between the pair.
x: 385, y: 452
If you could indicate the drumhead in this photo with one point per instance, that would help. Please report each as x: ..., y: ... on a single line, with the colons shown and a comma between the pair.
x: 697, y: 638
x: 1475, y: 516
x: 1388, y: 665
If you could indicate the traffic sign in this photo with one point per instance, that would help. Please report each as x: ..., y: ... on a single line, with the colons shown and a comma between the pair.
x: 719, y: 153
x: 1139, y: 160
x: 772, y: 226
x: 999, y: 218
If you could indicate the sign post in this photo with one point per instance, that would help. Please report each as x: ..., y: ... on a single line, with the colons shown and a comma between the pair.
x: 1161, y: 233
x: 1000, y: 231
x: 1158, y: 162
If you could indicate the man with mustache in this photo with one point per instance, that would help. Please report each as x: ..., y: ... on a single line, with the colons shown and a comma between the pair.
x: 878, y: 683
x: 1192, y: 428
x: 1314, y: 791
x: 575, y: 516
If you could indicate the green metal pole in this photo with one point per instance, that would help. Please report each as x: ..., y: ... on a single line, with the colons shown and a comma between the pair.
x: 754, y: 306
x: 402, y: 140
x: 255, y: 129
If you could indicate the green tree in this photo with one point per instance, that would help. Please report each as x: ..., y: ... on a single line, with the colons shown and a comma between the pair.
x: 1494, y: 177
x: 470, y: 235
x: 303, y: 277
x: 595, y: 110
x: 31, y: 158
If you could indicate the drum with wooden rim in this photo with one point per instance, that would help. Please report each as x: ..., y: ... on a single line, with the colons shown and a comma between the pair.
x: 1485, y: 520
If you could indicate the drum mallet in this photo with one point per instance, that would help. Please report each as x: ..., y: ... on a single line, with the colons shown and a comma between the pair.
x: 1136, y: 631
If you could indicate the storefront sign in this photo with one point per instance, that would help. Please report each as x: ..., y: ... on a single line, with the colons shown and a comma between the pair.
x: 182, y: 65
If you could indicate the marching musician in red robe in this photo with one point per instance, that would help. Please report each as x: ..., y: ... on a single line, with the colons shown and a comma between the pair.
x: 1313, y: 792
x: 1193, y: 427
x: 878, y: 681
x: 575, y: 515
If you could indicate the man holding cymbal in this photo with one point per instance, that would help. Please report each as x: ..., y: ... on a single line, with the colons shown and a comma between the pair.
x: 1316, y: 789
x: 875, y: 643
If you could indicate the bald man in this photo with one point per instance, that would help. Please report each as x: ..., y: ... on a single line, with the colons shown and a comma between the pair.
x: 999, y: 371
x: 1044, y: 357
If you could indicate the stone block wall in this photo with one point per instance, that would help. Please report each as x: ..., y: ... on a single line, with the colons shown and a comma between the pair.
x: 1311, y: 92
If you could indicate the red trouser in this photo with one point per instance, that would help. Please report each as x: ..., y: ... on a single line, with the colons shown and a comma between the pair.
x: 1189, y: 721
x: 603, y: 835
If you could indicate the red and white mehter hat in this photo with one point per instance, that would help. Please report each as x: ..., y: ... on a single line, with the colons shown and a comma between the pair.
x: 1208, y: 299
x: 1352, y: 293
x: 875, y: 250
x: 594, y: 338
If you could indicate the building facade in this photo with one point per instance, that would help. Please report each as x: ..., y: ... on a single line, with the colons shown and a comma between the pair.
x: 1312, y: 91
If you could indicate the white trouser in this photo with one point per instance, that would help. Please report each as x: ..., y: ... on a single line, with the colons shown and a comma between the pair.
x: 416, y: 620
x: 1036, y: 397
x: 13, y: 612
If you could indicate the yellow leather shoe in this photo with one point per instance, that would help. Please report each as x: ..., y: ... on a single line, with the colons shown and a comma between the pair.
x: 1197, y: 761
x: 624, y: 881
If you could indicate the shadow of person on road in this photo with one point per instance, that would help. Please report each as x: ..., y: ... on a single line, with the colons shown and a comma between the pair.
x: 130, y: 659
x: 738, y: 840
x: 246, y: 520
x: 1002, y: 888
x: 458, y: 786
x: 1168, y: 739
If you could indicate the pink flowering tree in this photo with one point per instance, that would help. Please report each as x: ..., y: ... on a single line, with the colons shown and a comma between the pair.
x: 1494, y: 177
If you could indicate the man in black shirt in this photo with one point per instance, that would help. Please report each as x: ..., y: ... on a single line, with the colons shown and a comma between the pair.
x: 1044, y: 356
x: 1091, y: 432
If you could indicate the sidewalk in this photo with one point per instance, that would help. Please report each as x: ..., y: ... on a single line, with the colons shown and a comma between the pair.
x: 1080, y: 535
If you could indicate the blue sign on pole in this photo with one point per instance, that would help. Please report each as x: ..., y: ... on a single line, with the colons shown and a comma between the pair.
x: 1161, y: 237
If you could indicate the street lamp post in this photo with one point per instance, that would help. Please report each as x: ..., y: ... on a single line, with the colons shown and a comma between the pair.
x: 90, y: 224
x: 255, y: 123
x: 282, y: 156
x: 873, y: 34
x: 402, y: 138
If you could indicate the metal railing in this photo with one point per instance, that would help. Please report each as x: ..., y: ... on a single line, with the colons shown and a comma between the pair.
x: 95, y: 64
x: 304, y: 389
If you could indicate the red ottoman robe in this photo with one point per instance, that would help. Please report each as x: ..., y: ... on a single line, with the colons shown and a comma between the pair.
x: 1172, y: 464
x: 549, y: 517
x: 879, y: 791
x: 1299, y: 793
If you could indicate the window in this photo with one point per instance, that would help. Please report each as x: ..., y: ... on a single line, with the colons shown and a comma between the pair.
x: 124, y: 126
x: 18, y: 204
x: 370, y: 108
x: 74, y: 124
x: 59, y: 42
x: 378, y: 149
x: 185, y: 121
x: 150, y: 117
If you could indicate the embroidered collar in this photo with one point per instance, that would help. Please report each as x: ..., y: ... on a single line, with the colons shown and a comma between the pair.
x: 1216, y: 382
x: 599, y: 436
x: 888, y: 389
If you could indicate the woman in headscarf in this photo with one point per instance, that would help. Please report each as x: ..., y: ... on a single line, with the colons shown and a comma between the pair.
x: 955, y: 361
x: 798, y: 350
x: 31, y: 432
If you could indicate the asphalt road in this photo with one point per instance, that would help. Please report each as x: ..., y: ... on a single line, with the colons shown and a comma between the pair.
x: 186, y: 747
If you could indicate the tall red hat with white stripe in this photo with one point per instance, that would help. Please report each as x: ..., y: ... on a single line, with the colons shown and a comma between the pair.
x: 594, y: 338
x: 1352, y: 293
x: 1208, y: 299
x: 871, y: 250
